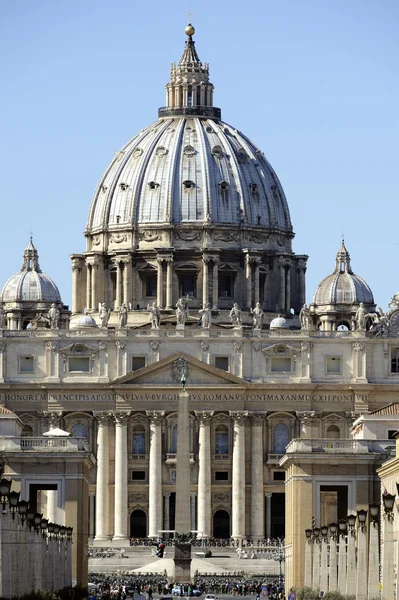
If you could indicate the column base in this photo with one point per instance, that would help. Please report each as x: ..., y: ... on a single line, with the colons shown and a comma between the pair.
x: 102, y: 538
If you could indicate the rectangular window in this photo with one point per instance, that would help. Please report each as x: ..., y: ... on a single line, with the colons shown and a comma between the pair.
x: 151, y: 285
x: 395, y: 360
x: 221, y: 475
x: 138, y: 475
x: 138, y: 442
x: 279, y: 476
x: 138, y: 362
x: 280, y: 364
x: 79, y: 364
x: 26, y: 364
x: 188, y: 285
x: 392, y: 433
x: 221, y: 362
x: 173, y: 475
x: 333, y: 365
x: 225, y: 285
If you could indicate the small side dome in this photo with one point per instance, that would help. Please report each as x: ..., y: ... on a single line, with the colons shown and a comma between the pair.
x: 279, y: 323
x: 84, y: 322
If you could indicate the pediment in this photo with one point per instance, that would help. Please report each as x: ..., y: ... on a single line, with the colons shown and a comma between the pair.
x: 163, y: 372
x: 280, y: 350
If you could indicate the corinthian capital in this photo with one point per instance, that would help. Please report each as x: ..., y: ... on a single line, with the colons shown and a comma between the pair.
x: 239, y: 416
x: 155, y: 416
x: 121, y: 418
x: 204, y: 416
x: 102, y: 417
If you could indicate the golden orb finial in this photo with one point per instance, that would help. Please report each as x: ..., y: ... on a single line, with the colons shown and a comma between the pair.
x: 189, y: 30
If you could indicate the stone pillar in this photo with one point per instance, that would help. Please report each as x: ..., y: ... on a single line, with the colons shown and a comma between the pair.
x: 193, y: 523
x: 248, y: 281
x: 102, y: 491
x: 76, y: 269
x: 324, y: 565
x: 94, y: 273
x: 160, y: 283
x: 127, y: 286
x: 282, y: 284
x: 166, y: 496
x: 316, y: 565
x: 302, y: 282
x: 92, y: 500
x: 387, y: 578
x: 257, y: 493
x: 155, y: 473
x: 169, y: 286
x: 204, y: 475
x: 351, y: 564
x: 257, y: 294
x: 361, y: 567
x: 342, y: 564
x: 288, y: 288
x: 238, y: 484
x: 88, y: 285
x: 118, y: 295
x: 121, y: 476
x: 215, y: 283
x: 333, y: 573
x: 52, y: 506
x: 268, y: 516
x: 308, y: 563
x: 205, y: 281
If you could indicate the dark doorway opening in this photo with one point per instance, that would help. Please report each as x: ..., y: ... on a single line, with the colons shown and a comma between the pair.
x: 34, y: 488
x: 278, y: 516
x: 138, y: 524
x: 333, y: 503
x: 221, y: 524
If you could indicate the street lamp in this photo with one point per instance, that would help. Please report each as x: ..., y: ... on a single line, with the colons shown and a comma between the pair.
x: 351, y: 524
x: 324, y: 531
x: 308, y: 533
x: 388, y: 501
x: 43, y: 526
x: 342, y: 526
x: 333, y: 530
x: 13, y: 498
x: 23, y: 509
x: 69, y: 533
x: 374, y: 509
x: 362, y: 516
x: 5, y: 486
x: 30, y: 515
x: 50, y: 529
x: 37, y: 519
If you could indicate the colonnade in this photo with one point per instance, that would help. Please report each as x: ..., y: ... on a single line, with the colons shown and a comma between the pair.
x: 156, y: 504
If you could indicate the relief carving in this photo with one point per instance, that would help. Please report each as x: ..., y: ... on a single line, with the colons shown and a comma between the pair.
x: 150, y: 235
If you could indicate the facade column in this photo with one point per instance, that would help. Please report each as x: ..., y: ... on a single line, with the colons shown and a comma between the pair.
x: 257, y: 289
x: 282, y: 284
x: 94, y: 273
x: 204, y: 526
x: 248, y: 281
x: 76, y: 269
x: 118, y: 295
x: 388, y: 579
x: 269, y: 516
x: 160, y: 283
x: 257, y: 493
x: 215, y: 283
x: 288, y: 287
x: 166, y: 496
x: 302, y: 282
x: 127, y: 287
x: 205, y: 281
x: 102, y: 491
x: 88, y: 285
x: 169, y: 285
x: 238, y: 483
x: 155, y: 473
x: 121, y: 495
x: 52, y: 506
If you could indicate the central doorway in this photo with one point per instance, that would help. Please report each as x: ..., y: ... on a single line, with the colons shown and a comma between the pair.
x: 221, y: 524
x: 138, y: 524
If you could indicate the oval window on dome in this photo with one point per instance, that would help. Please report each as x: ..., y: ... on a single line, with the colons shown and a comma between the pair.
x: 217, y: 151
x: 153, y: 185
x: 188, y: 185
x: 161, y: 151
x: 242, y: 155
x: 189, y: 151
x: 137, y: 152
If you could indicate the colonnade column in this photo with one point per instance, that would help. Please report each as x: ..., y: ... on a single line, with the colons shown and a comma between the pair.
x: 282, y: 284
x: 118, y: 295
x: 205, y: 281
x: 169, y: 289
x: 102, y: 491
x: 238, y: 483
x: 204, y: 474
x: 215, y: 283
x: 155, y: 473
x: 257, y: 494
x: 160, y: 283
x: 248, y: 281
x: 88, y: 285
x: 127, y: 281
x: 121, y: 495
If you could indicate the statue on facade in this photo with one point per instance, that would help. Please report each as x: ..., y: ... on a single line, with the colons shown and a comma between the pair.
x: 380, y: 325
x: 394, y: 302
x: 181, y: 311
x: 360, y: 318
x: 53, y: 316
x: 206, y: 316
x: 103, y: 313
x: 235, y: 315
x: 122, y: 315
x: 257, y: 316
x: 304, y: 317
x: 155, y: 315
x: 2, y: 318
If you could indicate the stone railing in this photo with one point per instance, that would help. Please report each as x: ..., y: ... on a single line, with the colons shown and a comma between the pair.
x: 43, y: 444
x: 171, y: 458
x: 344, y: 446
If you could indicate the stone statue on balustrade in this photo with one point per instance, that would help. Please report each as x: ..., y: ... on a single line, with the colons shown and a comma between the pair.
x: 103, y: 313
x: 360, y: 318
x: 2, y: 318
x: 122, y: 315
x: 257, y: 316
x: 181, y: 312
x: 235, y: 316
x: 394, y: 302
x: 53, y: 316
x: 380, y: 324
x: 304, y: 317
x: 206, y: 316
x: 155, y: 315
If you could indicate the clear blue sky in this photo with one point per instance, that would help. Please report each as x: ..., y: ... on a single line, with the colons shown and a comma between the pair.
x: 314, y: 83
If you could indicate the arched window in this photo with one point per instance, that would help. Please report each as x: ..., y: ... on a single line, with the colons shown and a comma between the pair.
x: 281, y: 437
x: 173, y: 441
x: 221, y: 440
x: 333, y: 432
x: 138, y: 446
x: 79, y: 430
x: 27, y: 431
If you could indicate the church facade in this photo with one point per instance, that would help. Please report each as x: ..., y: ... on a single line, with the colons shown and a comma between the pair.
x: 189, y: 265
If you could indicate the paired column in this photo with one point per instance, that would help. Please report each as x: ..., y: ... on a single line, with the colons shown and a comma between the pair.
x: 388, y: 579
x: 257, y: 289
x: 102, y: 497
x: 288, y: 287
x: 94, y: 274
x: 282, y: 284
x: 127, y: 281
x: 342, y: 563
x: 169, y: 293
x: 76, y: 269
x: 257, y: 494
x: 121, y: 495
x: 248, y: 281
x: 215, y: 283
x: 238, y: 486
x: 268, y: 516
x: 302, y: 282
x: 88, y: 285
x: 160, y: 283
x: 155, y: 473
x: 204, y: 474
x: 118, y: 295
x: 205, y: 281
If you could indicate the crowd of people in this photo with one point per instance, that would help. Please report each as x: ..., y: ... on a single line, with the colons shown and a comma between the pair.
x: 213, y: 542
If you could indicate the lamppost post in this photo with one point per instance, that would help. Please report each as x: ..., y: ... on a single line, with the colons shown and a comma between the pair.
x: 333, y: 575
x: 387, y: 552
x: 342, y: 526
x: 308, y: 558
x: 374, y: 562
x: 351, y: 557
x: 361, y: 571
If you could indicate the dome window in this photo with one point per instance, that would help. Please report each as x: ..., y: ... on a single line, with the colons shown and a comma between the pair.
x: 242, y: 155
x: 254, y: 189
x: 223, y: 186
x: 188, y: 185
x: 104, y: 188
x: 153, y: 185
x: 161, y: 152
x: 123, y: 186
x: 137, y: 152
x: 217, y: 151
x: 188, y: 151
